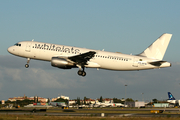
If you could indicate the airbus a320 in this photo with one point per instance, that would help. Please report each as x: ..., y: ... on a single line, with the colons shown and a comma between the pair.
x: 67, y: 57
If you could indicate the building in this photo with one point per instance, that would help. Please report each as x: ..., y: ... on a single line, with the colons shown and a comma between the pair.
x: 2, y: 102
x: 72, y: 102
x: 63, y: 97
x: 136, y: 104
x: 54, y: 99
x: 91, y: 101
x: 88, y: 101
x: 161, y: 105
x: 40, y: 99
x: 106, y: 100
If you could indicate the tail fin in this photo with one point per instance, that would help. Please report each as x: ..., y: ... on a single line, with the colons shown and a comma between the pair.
x: 171, y: 97
x: 158, y: 48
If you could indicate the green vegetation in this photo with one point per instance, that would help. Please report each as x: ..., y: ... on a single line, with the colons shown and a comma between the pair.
x: 22, y: 103
x: 85, y: 100
x: 129, y: 100
x: 155, y: 100
x: 62, y: 100
x: 33, y: 117
x: 78, y: 101
x: 115, y: 100
x: 101, y: 99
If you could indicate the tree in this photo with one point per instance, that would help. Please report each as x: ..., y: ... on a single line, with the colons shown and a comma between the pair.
x: 101, y: 99
x: 37, y: 99
x: 155, y: 100
x: 62, y: 100
x: 129, y: 100
x: 115, y: 100
x: 78, y: 101
x: 84, y: 100
x: 48, y: 100
x: 22, y: 103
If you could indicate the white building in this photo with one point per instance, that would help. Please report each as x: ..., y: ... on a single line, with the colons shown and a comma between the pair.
x: 71, y: 102
x: 136, y: 104
x: 64, y: 97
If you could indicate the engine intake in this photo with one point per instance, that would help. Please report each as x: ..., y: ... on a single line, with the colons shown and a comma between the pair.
x: 61, y: 63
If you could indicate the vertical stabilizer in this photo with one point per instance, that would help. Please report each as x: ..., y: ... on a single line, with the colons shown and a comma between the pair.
x: 171, y: 97
x: 158, y: 48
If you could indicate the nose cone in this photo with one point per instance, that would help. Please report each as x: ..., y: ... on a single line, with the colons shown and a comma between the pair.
x: 10, y: 50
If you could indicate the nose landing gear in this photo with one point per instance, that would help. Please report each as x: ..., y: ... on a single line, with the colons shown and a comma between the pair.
x: 27, y: 65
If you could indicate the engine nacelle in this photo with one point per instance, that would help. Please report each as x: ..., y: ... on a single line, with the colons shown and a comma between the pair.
x: 61, y: 63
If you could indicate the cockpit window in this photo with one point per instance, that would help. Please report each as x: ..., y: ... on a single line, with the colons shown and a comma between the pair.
x: 17, y: 44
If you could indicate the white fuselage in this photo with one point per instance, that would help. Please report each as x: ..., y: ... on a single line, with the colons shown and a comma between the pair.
x: 102, y: 59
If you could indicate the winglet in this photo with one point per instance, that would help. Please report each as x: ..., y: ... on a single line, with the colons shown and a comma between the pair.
x: 158, y: 48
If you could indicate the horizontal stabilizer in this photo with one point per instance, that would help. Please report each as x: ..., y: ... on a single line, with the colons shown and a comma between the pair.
x: 157, y: 63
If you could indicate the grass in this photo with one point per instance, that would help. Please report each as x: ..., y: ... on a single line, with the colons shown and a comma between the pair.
x: 95, y: 111
x: 140, y: 111
x: 33, y: 117
x: 45, y: 116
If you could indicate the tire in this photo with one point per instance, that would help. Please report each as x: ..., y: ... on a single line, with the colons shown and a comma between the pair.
x: 84, y: 74
x: 26, y: 65
x: 80, y: 72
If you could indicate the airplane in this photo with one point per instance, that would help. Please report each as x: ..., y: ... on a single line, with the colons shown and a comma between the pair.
x: 101, y: 104
x: 110, y: 104
x: 171, y: 98
x: 67, y: 57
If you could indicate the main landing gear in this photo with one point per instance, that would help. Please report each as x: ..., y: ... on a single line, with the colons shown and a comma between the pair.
x: 27, y: 65
x: 81, y: 72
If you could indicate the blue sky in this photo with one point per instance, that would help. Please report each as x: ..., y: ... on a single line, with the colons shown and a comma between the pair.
x: 125, y: 26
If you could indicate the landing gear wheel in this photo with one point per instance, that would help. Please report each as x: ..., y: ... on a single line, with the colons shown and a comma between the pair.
x: 26, y: 65
x: 84, y: 74
x: 80, y: 72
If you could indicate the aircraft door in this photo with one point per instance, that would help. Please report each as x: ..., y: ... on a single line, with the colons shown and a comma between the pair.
x: 135, y: 62
x: 28, y: 47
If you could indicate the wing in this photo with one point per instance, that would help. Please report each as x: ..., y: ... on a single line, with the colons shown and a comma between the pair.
x: 82, y: 58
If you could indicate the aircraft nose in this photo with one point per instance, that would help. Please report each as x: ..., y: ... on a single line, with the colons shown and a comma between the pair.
x: 10, y: 49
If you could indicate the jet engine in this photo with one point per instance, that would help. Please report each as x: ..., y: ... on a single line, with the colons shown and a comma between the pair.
x: 61, y: 63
